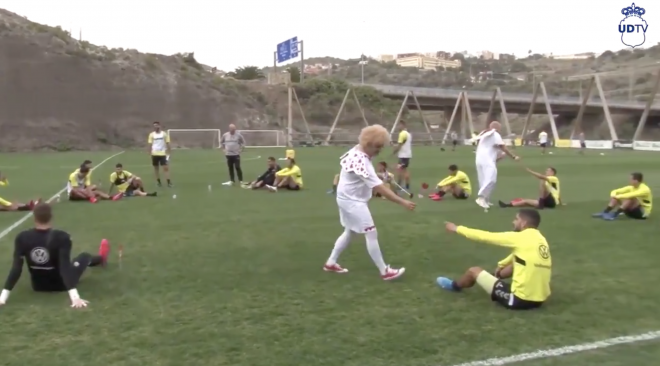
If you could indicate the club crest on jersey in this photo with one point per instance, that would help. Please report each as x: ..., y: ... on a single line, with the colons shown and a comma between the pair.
x: 633, y: 27
x: 39, y: 255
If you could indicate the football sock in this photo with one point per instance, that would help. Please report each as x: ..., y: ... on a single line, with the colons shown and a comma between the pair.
x: 407, y: 186
x: 455, y: 286
x: 341, y: 243
x: 374, y: 250
x: 504, y: 204
x: 618, y: 212
x: 23, y: 208
x: 96, y: 260
x: 608, y: 209
x: 152, y: 194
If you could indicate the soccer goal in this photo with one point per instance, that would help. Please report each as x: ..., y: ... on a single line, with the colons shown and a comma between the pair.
x: 264, y: 138
x: 195, y: 138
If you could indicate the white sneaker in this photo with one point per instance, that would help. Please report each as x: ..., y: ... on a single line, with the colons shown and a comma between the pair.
x: 230, y: 183
x: 482, y: 203
x: 271, y: 188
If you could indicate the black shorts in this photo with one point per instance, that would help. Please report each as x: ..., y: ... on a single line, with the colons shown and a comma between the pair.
x: 636, y: 213
x: 52, y: 282
x: 583, y: 145
x: 269, y: 180
x: 158, y: 160
x: 454, y: 142
x: 547, y: 202
x: 293, y: 188
x: 544, y: 144
x: 502, y: 295
x: 404, y: 162
x: 461, y: 196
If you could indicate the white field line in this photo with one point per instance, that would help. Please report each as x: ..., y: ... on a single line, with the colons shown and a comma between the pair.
x: 18, y: 223
x: 563, y: 351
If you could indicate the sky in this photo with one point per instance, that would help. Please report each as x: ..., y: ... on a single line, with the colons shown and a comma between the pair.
x: 230, y: 34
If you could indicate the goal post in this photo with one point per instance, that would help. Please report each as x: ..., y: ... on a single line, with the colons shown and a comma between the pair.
x: 195, y: 138
x: 264, y: 138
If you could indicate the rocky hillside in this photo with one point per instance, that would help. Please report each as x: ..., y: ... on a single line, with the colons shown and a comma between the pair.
x: 62, y: 94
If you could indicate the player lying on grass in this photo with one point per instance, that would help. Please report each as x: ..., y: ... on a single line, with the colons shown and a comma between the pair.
x: 549, y: 192
x: 457, y: 183
x: 47, y: 252
x: 357, y: 182
x: 267, y: 178
x: 128, y: 184
x: 6, y: 206
x: 288, y: 178
x: 635, y: 200
x: 80, y: 188
x: 529, y: 265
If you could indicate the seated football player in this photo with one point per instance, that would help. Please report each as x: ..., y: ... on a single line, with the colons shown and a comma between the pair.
x: 529, y: 265
x: 268, y: 177
x: 457, y: 183
x: 80, y: 188
x: 47, y: 252
x: 549, y: 192
x: 14, y: 206
x: 128, y: 184
x: 635, y: 201
x: 289, y: 178
x: 385, y: 176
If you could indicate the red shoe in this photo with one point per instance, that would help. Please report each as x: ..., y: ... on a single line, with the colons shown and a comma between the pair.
x: 93, y: 200
x: 117, y: 197
x: 104, y: 251
x: 334, y: 268
x: 391, y: 274
x: 433, y: 195
x: 436, y: 198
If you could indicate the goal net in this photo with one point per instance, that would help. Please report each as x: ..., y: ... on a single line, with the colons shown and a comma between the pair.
x: 195, y: 138
x: 264, y: 138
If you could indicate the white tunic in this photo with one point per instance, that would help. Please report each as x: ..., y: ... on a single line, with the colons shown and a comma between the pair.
x: 488, y: 149
x: 356, y: 182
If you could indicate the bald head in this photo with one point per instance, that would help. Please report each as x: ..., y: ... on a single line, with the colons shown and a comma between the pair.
x: 495, y: 126
x: 232, y: 128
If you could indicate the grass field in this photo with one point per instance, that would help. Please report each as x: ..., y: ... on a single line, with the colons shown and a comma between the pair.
x: 233, y: 277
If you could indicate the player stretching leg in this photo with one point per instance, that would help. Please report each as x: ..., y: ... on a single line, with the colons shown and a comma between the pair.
x: 159, y: 149
x: 403, y: 149
x: 635, y: 200
x: 529, y: 264
x: 549, y: 196
x: 489, y: 146
x: 80, y: 188
x: 357, y: 181
x: 288, y: 178
x: 457, y: 183
x: 13, y: 206
x: 127, y: 183
x: 47, y: 252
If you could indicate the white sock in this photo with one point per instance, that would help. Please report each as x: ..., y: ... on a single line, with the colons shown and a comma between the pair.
x: 374, y: 250
x: 341, y: 243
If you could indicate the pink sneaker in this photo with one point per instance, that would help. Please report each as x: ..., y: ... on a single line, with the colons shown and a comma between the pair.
x: 391, y: 273
x: 117, y: 197
x: 436, y: 198
x: 104, y: 251
x: 93, y: 200
x: 334, y: 268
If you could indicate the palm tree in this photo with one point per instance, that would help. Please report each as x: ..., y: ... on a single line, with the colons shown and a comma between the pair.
x: 247, y: 73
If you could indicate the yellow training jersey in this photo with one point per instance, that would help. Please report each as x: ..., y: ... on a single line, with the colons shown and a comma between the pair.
x: 530, y: 257
x: 293, y: 172
x: 552, y: 185
x: 75, y: 181
x: 642, y: 193
x: 121, y: 180
x: 461, y: 179
x: 159, y: 141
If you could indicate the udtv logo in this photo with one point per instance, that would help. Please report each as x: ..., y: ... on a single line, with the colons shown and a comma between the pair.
x: 633, y: 27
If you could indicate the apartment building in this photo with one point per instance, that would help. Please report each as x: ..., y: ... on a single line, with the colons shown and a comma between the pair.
x: 427, y: 63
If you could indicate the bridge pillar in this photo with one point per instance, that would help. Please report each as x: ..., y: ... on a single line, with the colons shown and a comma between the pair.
x: 649, y: 103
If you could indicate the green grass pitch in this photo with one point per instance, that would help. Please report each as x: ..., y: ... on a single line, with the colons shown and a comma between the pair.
x: 233, y: 277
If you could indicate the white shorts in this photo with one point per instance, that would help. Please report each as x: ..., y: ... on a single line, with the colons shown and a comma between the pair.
x: 355, y: 216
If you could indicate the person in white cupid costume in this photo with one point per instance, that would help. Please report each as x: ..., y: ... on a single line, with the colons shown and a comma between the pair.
x: 490, y: 149
x: 357, y: 181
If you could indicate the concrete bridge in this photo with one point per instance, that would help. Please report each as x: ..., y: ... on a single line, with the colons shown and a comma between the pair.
x: 435, y: 99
